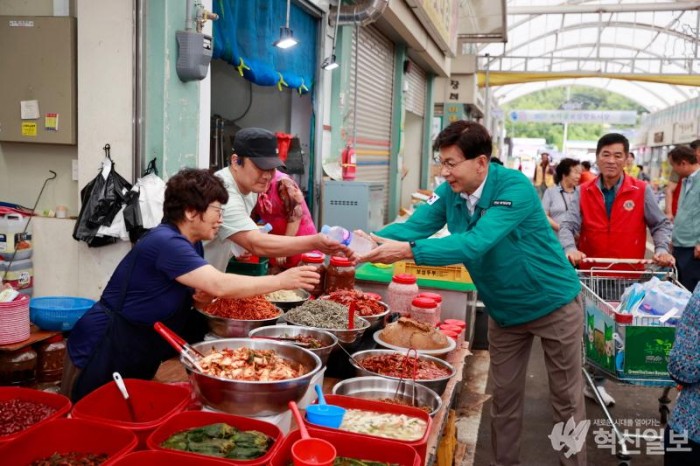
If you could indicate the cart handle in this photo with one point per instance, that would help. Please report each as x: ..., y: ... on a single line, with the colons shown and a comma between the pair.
x: 604, y: 260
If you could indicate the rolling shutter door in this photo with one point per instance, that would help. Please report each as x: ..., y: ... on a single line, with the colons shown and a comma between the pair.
x: 415, y: 97
x: 375, y: 83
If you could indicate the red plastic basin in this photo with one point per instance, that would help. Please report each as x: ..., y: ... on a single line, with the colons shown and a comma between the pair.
x: 162, y: 458
x: 191, y: 419
x: 347, y: 445
x: 348, y: 402
x: 65, y: 436
x: 58, y: 402
x: 153, y: 404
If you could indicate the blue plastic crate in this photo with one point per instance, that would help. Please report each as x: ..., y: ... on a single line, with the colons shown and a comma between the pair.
x: 58, y: 313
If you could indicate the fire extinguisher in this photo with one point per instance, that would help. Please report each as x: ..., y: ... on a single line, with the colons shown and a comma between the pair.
x: 349, y: 163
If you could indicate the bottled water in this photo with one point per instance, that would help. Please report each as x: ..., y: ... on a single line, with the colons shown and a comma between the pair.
x: 355, y: 242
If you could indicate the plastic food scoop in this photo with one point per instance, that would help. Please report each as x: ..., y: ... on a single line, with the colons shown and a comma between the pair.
x: 122, y: 388
x: 309, y: 451
x: 324, y: 414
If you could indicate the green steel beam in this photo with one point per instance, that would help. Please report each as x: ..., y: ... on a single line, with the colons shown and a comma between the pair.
x: 429, y: 113
x: 397, y: 125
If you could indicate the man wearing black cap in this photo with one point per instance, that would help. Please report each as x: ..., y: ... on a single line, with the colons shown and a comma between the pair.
x: 253, y: 164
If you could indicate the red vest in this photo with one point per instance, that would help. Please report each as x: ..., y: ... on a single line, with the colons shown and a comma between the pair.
x: 621, y: 236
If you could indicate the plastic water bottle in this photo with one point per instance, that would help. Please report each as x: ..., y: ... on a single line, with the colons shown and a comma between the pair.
x: 267, y: 228
x: 355, y: 242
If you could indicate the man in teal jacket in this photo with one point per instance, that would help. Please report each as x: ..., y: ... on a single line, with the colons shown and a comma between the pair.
x: 499, y: 231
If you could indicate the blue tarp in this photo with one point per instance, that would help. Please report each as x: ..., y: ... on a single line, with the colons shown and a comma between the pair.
x: 243, y: 37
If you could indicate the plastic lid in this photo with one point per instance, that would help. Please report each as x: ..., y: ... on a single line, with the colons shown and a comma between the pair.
x: 404, y: 278
x: 313, y: 258
x: 456, y: 322
x: 434, y: 296
x: 450, y: 334
x: 375, y: 296
x: 452, y: 328
x: 424, y: 303
x: 623, y: 318
x: 341, y: 261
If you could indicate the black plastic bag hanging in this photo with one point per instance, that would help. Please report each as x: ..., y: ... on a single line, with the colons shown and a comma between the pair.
x: 101, y: 200
x: 132, y: 216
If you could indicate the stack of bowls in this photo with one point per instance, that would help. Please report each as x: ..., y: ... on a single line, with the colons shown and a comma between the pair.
x: 235, y: 328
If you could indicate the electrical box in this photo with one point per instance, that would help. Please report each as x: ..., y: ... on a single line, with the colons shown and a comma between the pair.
x: 38, y: 79
x: 355, y: 205
x: 194, y: 55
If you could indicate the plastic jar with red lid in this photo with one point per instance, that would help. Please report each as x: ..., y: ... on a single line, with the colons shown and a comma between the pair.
x: 435, y: 297
x: 400, y: 292
x: 340, y: 275
x: 424, y: 310
x: 316, y: 260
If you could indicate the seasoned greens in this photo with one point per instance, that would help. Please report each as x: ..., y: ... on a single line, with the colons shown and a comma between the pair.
x: 221, y: 440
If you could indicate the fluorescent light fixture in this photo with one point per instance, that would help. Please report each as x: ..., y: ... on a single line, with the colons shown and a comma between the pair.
x: 329, y: 63
x: 286, y: 39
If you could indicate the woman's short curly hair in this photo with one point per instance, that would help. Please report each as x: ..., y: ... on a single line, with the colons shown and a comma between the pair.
x: 191, y: 188
x: 564, y: 168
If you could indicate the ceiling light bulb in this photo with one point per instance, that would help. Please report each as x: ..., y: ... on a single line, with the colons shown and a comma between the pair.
x: 286, y: 39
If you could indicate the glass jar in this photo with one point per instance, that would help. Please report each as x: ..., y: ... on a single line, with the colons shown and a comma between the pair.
x: 50, y: 355
x: 435, y: 297
x: 401, y: 291
x: 18, y: 367
x: 425, y: 310
x: 316, y: 260
x: 340, y: 275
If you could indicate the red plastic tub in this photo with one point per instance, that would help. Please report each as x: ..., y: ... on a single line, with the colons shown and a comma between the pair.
x: 59, y: 402
x: 347, y: 445
x: 153, y: 404
x: 162, y: 458
x: 191, y: 419
x: 65, y: 436
x: 348, y: 402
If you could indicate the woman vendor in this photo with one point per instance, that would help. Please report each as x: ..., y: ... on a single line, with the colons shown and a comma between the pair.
x: 157, y: 281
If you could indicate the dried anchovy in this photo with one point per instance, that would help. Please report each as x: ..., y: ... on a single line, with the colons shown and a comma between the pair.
x: 321, y: 314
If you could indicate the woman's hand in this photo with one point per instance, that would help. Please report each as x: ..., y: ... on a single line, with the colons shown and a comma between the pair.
x: 202, y: 298
x: 303, y: 277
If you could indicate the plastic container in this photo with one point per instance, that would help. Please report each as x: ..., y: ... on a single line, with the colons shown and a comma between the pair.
x: 435, y: 297
x: 254, y: 266
x: 317, y: 261
x: 400, y: 292
x: 340, y: 275
x: 153, y: 404
x: 58, y: 313
x: 446, y: 273
x: 59, y: 402
x: 18, y: 367
x: 14, y: 320
x: 425, y: 310
x: 456, y: 322
x: 19, y: 275
x: 162, y: 458
x: 347, y: 445
x: 355, y: 242
x: 50, y: 359
x: 64, y: 436
x: 347, y: 402
x: 190, y: 419
x: 12, y: 237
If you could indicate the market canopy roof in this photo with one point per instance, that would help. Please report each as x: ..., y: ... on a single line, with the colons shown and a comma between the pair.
x: 645, y: 50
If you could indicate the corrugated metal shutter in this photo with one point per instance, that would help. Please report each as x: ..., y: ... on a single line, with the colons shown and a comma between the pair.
x: 415, y: 97
x: 375, y: 84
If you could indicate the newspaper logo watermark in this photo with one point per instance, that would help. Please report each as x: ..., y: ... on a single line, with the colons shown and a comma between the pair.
x: 571, y: 436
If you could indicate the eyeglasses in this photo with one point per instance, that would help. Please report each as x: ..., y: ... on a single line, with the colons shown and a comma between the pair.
x: 448, y: 165
x: 219, y: 209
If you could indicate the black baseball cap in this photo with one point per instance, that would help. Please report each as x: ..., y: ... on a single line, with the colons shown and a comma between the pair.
x: 260, y: 145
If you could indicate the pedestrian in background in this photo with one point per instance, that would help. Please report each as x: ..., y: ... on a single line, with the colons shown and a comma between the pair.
x: 544, y: 175
x: 557, y: 199
x: 686, y: 229
x: 586, y: 173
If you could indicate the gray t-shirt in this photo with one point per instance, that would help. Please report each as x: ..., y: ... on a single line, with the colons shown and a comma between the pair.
x: 236, y: 218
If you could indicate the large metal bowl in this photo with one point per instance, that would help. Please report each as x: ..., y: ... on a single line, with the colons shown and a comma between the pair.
x: 248, y: 398
x: 438, y: 353
x: 437, y: 385
x: 326, y: 338
x: 380, y: 388
x: 345, y: 336
x: 235, y: 328
x: 287, y: 305
x: 376, y: 321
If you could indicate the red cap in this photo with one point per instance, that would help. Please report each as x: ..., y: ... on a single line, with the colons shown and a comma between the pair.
x: 424, y: 303
x: 451, y: 328
x: 450, y: 334
x: 404, y: 278
x: 313, y: 258
x: 375, y: 296
x: 341, y: 261
x: 456, y: 322
x: 434, y: 296
x: 623, y: 318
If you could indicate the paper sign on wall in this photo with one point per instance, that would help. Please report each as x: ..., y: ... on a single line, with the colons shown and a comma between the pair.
x: 28, y: 128
x: 51, y: 122
x: 29, y: 109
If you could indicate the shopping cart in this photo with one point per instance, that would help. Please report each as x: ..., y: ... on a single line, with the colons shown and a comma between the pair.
x: 609, y: 334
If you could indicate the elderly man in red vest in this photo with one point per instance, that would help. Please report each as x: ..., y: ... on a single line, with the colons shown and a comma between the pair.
x: 610, y: 215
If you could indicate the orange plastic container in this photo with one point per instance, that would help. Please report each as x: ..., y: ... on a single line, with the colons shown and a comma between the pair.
x: 153, y: 404
x: 64, y: 436
x: 161, y: 458
x: 346, y: 445
x: 348, y: 402
x: 191, y: 419
x: 59, y: 402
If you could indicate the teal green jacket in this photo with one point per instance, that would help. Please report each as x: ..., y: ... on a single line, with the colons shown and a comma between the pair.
x: 508, y: 246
